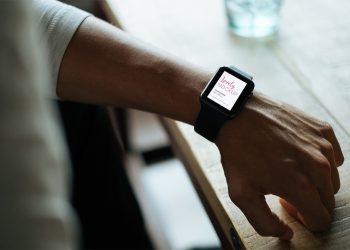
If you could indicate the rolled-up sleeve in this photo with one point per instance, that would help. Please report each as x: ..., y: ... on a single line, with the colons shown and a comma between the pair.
x: 58, y: 22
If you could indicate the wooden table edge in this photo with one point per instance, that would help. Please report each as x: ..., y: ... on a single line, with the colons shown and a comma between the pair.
x: 220, y: 220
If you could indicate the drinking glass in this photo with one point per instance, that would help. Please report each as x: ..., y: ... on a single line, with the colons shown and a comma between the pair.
x: 253, y: 18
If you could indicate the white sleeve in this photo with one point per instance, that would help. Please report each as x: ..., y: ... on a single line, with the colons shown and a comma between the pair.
x: 58, y: 22
x: 35, y: 212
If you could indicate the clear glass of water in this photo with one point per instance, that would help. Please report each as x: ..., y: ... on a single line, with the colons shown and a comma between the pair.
x: 253, y: 18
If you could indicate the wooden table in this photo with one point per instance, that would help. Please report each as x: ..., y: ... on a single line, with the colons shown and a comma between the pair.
x: 307, y: 65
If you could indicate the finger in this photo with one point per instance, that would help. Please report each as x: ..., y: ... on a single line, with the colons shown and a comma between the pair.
x: 335, y: 180
x: 265, y: 222
x: 291, y: 210
x: 328, y: 132
x: 328, y: 150
x: 327, y: 196
x: 318, y: 169
x: 306, y: 199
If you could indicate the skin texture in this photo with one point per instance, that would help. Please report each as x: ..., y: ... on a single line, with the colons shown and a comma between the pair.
x: 289, y: 154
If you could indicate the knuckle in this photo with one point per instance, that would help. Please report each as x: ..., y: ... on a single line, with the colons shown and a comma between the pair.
x: 336, y: 187
x: 324, y: 177
x: 324, y: 171
x: 341, y: 159
x: 335, y: 180
x: 288, y: 186
x: 326, y: 127
x: 322, y: 162
x: 326, y: 146
x: 303, y: 185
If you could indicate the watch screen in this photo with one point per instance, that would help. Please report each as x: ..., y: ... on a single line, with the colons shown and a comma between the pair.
x: 227, y: 90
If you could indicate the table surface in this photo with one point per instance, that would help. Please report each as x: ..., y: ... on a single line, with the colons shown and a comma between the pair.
x: 306, y: 64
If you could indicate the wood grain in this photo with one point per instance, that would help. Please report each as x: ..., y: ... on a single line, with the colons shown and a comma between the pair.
x: 306, y: 64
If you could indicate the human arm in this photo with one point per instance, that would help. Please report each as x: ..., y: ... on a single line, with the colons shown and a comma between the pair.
x: 118, y: 70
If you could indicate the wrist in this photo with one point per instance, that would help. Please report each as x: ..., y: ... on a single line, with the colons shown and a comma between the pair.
x: 196, y: 82
x: 222, y: 100
x: 248, y: 115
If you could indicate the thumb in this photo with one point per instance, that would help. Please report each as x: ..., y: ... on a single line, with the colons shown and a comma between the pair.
x: 264, y: 221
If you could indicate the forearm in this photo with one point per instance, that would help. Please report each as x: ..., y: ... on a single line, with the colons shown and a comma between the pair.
x: 270, y: 148
x: 103, y: 65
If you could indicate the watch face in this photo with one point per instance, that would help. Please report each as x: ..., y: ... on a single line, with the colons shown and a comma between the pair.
x: 227, y: 91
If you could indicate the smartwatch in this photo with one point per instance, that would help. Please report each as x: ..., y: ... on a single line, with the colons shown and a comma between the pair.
x: 222, y: 99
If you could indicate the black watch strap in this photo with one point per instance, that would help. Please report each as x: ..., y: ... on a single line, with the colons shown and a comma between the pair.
x: 242, y: 73
x: 209, y: 122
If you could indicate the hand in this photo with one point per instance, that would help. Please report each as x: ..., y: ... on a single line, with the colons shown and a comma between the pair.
x: 274, y: 148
